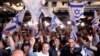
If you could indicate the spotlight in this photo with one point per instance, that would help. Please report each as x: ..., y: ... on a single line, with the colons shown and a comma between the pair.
x: 82, y: 24
x: 25, y: 24
x: 46, y: 23
x: 30, y: 23
x: 62, y: 26
x: 68, y: 22
x: 4, y: 9
x: 35, y: 23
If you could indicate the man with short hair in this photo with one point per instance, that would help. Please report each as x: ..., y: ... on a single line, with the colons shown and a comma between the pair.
x: 70, y: 49
x: 45, y: 50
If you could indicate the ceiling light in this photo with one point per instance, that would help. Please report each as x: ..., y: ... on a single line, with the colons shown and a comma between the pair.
x: 17, y: 8
x: 96, y: 3
x: 4, y: 9
x: 82, y: 24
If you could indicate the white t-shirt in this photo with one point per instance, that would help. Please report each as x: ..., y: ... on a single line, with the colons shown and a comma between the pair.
x: 41, y: 54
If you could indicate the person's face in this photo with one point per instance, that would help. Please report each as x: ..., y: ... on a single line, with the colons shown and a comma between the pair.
x: 45, y: 48
x: 71, y: 43
x: 56, y: 42
x: 26, y: 48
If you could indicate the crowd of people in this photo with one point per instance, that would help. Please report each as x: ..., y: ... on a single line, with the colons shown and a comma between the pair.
x: 48, y: 43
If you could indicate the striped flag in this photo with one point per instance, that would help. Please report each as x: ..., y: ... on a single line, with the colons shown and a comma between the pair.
x: 76, y: 10
x: 74, y: 26
x: 74, y: 30
x: 34, y: 7
x: 95, y: 22
x: 73, y: 35
x: 15, y: 23
x: 55, y: 22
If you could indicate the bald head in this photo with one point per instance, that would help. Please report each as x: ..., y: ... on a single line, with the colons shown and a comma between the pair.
x: 18, y: 53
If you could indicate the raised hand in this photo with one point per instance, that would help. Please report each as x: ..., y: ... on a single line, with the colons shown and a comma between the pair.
x: 90, y: 38
x: 32, y: 41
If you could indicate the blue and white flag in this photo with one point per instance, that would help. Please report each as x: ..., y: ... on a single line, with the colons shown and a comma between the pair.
x: 95, y: 21
x: 73, y: 35
x: 55, y: 22
x: 15, y: 23
x: 34, y: 7
x: 76, y: 10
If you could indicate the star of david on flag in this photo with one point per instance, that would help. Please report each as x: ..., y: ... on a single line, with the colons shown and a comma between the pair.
x: 76, y: 10
x: 16, y: 20
x: 15, y: 23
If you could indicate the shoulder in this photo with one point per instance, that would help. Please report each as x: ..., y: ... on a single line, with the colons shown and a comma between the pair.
x: 38, y: 53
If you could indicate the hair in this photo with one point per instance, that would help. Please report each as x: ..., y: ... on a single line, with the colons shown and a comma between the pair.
x: 58, y: 39
x: 25, y: 44
x: 44, y: 43
x: 69, y: 38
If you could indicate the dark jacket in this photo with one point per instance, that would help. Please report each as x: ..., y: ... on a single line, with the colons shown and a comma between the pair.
x: 53, y: 52
x: 66, y: 51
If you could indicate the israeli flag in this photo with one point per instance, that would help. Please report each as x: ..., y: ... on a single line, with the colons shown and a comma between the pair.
x: 41, y: 17
x: 74, y: 26
x: 95, y: 22
x: 55, y: 22
x: 73, y: 35
x: 76, y: 10
x: 15, y: 23
x: 34, y: 7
